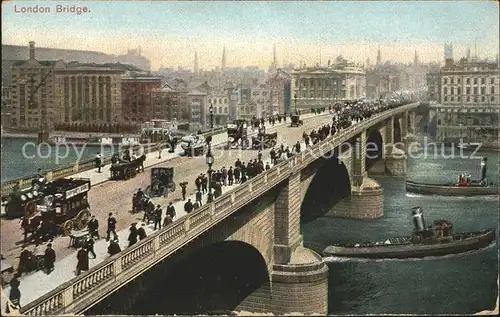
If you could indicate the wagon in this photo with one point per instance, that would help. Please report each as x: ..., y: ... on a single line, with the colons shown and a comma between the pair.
x: 265, y: 141
x: 162, y: 182
x: 296, y: 121
x: 64, y: 207
x: 124, y: 170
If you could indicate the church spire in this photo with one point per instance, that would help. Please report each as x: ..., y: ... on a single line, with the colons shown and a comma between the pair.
x: 223, y: 66
x: 196, y: 69
x: 415, y: 59
x: 379, y: 56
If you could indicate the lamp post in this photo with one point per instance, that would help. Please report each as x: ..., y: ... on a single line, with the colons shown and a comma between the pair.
x: 209, y: 160
x: 211, y: 110
x: 295, y: 100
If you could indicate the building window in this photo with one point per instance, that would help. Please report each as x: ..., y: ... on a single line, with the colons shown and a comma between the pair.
x: 225, y: 109
x: 483, y: 98
x: 220, y: 110
x: 492, y: 81
x: 468, y: 81
x: 459, y: 91
x: 452, y: 81
x: 445, y: 81
x: 475, y: 81
x: 452, y: 90
x: 215, y: 101
x: 220, y: 101
x: 452, y: 98
x: 492, y: 98
x: 458, y: 80
x: 483, y: 81
x: 225, y: 100
x: 445, y: 91
x: 483, y: 90
x: 475, y: 90
x: 492, y: 89
x: 445, y: 98
x: 468, y: 99
x: 459, y: 98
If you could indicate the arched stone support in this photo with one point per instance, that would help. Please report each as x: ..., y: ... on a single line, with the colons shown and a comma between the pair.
x: 395, y: 163
x: 366, y: 202
x: 301, y: 287
x: 411, y: 144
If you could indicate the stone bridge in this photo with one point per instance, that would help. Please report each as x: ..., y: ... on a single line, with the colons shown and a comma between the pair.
x: 245, y: 251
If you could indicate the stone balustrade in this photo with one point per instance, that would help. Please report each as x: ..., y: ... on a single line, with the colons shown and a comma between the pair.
x: 76, y: 295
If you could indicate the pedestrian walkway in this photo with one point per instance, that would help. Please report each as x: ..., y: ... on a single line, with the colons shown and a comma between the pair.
x: 37, y: 284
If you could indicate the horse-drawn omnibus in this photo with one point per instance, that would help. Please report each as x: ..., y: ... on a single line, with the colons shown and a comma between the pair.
x: 62, y: 207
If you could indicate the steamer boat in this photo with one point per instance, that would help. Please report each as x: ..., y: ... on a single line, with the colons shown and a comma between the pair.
x: 465, y: 186
x: 431, y: 241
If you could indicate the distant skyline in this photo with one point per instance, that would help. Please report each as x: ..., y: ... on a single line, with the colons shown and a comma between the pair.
x: 169, y: 33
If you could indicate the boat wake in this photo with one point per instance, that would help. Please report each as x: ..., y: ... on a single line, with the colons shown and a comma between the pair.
x: 412, y: 195
x: 336, y: 259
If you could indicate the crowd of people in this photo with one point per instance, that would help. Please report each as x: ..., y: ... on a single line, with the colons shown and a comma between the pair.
x: 209, y: 184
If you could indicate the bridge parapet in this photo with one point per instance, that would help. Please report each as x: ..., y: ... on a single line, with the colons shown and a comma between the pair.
x: 83, y: 291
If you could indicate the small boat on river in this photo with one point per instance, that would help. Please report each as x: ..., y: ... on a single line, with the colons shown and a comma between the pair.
x: 431, y: 241
x: 464, y: 187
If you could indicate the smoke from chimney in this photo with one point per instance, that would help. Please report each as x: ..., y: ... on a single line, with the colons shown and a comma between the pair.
x: 32, y: 50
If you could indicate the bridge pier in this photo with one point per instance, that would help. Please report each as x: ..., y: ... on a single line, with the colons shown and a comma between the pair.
x: 411, y: 144
x: 366, y: 202
x: 395, y: 161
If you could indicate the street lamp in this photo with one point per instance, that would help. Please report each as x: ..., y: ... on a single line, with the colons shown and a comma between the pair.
x: 209, y: 160
x: 211, y: 110
x: 295, y: 99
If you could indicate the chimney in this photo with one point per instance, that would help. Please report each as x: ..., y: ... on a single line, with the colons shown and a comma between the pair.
x: 32, y: 50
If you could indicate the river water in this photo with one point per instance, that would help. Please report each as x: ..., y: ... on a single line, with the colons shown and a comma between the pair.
x: 455, y: 284
x: 22, y: 156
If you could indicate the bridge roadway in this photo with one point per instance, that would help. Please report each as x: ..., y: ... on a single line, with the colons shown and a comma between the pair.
x: 116, y: 197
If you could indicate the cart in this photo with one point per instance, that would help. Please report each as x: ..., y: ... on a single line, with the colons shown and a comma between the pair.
x: 162, y: 182
x: 264, y: 141
x: 296, y: 121
x: 124, y: 170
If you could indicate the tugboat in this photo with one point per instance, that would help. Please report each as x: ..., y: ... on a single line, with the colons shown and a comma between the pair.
x: 437, y: 241
x: 464, y: 187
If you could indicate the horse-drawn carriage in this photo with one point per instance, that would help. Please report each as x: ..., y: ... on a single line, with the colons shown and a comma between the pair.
x: 162, y: 182
x: 193, y: 145
x: 295, y: 118
x: 237, y: 134
x: 265, y: 140
x: 62, y: 207
x: 125, y: 169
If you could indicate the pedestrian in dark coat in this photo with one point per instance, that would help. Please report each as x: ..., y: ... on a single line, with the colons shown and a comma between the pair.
x: 93, y: 227
x: 188, y: 206
x: 237, y: 174
x: 204, y: 184
x: 83, y: 261
x: 158, y: 213
x: 142, y: 232
x: 132, y: 237
x: 49, y: 258
x: 198, y: 197
x: 114, y: 247
x: 24, y: 261
x: 230, y: 176
x: 89, y: 246
x: 167, y: 220
x: 171, y: 210
x: 15, y: 294
x: 183, y: 190
x: 111, y: 226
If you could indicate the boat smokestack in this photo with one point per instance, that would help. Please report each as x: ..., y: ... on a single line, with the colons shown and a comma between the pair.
x: 418, y: 219
x: 483, y: 168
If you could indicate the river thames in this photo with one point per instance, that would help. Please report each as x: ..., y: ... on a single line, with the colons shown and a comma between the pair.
x: 455, y: 284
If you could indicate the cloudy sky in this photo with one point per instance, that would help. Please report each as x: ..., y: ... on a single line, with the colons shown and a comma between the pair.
x: 170, y: 32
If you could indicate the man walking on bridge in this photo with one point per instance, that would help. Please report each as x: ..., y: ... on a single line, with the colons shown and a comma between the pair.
x: 111, y: 227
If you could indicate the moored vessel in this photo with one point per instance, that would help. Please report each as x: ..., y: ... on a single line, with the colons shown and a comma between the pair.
x: 431, y: 241
x: 465, y: 186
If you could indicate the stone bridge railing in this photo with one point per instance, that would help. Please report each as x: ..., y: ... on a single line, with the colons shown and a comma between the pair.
x: 76, y: 295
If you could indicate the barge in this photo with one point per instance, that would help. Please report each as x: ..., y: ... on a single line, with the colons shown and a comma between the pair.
x: 432, y: 241
x: 464, y: 187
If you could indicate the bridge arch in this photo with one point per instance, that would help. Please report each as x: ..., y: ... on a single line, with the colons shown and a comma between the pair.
x: 328, y: 185
x: 216, y: 278
x: 374, y: 147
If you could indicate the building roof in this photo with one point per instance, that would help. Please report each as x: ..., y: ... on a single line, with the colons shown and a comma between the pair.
x: 43, y: 63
